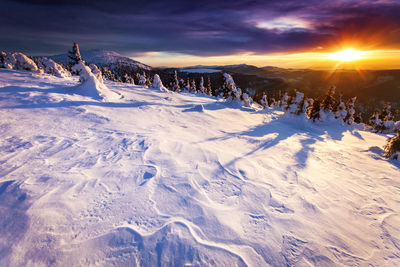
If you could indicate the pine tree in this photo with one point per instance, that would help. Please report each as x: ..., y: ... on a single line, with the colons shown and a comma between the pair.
x: 329, y: 100
x: 264, y: 100
x: 142, y: 79
x: 201, y: 85
x: 349, y: 119
x: 187, y: 85
x: 209, y: 89
x: 307, y: 105
x: 340, y: 108
x: 286, y: 101
x: 383, y: 121
x: 392, y: 147
x: 313, y: 113
x: 230, y: 90
x: 193, y: 88
x: 295, y: 104
x: 358, y: 118
x: 247, y: 100
x: 175, y: 84
x: 3, y: 56
x: 75, y: 55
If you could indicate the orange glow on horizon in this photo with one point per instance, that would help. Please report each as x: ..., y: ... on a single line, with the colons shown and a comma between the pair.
x: 344, y: 59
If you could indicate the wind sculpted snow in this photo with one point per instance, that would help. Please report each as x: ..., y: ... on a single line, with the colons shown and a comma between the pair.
x: 160, y: 178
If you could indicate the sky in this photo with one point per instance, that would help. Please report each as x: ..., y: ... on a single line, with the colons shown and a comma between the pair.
x: 284, y: 33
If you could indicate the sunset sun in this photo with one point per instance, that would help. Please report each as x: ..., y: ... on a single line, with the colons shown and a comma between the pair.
x: 347, y: 55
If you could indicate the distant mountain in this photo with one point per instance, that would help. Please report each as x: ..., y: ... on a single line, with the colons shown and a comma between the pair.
x: 104, y: 58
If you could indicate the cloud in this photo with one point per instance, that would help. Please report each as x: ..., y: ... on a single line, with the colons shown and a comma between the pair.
x: 205, y: 28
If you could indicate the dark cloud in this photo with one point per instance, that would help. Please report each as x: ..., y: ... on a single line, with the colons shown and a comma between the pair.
x: 195, y: 27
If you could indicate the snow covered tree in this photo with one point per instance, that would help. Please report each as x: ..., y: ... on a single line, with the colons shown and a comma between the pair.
x: 230, y: 91
x: 75, y: 55
x: 175, y: 83
x: 383, y: 121
x: 157, y: 83
x: 107, y: 74
x: 193, y: 88
x: 307, y: 104
x: 329, y: 100
x: 142, y: 79
x: 201, y: 85
x: 313, y: 112
x: 392, y: 147
x: 187, y: 85
x: 247, y: 100
x: 96, y: 72
x: 349, y: 119
x: 284, y: 101
x: 264, y: 100
x: 274, y: 103
x: 3, y: 56
x: 341, y: 112
x: 358, y: 118
x: 209, y: 90
x: 49, y: 66
x: 128, y: 79
x: 19, y: 61
x: 296, y: 104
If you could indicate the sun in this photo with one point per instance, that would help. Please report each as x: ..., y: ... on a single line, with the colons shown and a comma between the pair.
x: 347, y: 55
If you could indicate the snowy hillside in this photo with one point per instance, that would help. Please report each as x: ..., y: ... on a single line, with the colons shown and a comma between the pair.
x: 103, y: 58
x: 159, y: 178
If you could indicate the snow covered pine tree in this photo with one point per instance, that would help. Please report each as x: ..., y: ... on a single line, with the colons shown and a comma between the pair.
x: 75, y: 55
x: 393, y: 147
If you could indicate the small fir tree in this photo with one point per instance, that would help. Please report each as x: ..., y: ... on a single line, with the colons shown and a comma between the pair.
x: 349, y: 119
x: 313, y: 113
x: 340, y: 108
x: 329, y: 101
x: 75, y: 55
x: 142, y: 79
x: 264, y: 100
x: 392, y: 147
x: 201, y: 85
x: 175, y: 84
x: 209, y: 90
x: 193, y: 88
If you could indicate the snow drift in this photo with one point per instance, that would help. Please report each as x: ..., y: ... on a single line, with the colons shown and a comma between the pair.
x: 92, y: 83
x: 18, y: 61
x: 185, y: 180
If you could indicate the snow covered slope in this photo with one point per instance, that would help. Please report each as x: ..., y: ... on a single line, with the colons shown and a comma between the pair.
x: 159, y: 178
x: 103, y: 58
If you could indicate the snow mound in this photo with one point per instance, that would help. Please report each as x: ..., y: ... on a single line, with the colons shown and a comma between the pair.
x: 18, y: 61
x: 49, y: 66
x: 92, y: 83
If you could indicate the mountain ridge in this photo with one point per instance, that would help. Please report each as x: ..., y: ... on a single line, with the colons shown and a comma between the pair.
x: 103, y: 58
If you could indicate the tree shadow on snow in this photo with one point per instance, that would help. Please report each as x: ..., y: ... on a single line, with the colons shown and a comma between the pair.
x: 283, y: 128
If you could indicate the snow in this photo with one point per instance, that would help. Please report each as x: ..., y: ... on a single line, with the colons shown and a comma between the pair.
x: 157, y: 178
